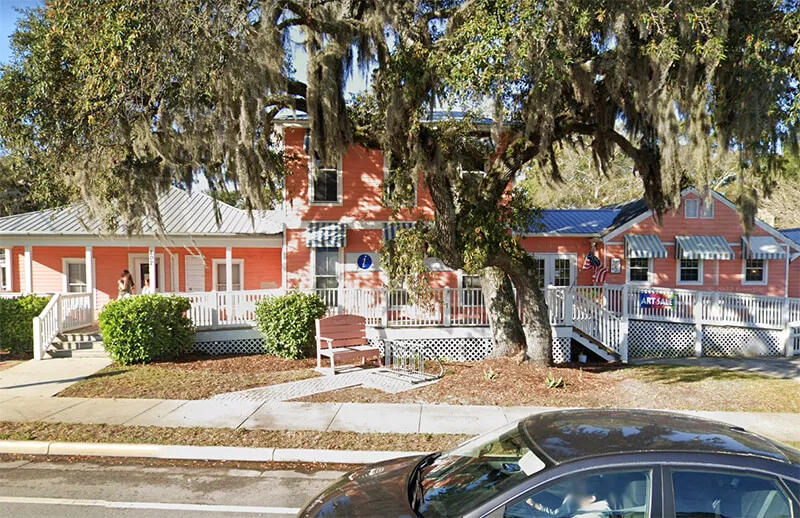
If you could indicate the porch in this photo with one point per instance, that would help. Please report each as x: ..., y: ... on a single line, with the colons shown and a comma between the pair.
x: 615, y: 322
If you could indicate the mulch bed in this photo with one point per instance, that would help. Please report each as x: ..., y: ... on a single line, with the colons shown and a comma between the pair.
x: 8, y: 360
x: 242, y: 364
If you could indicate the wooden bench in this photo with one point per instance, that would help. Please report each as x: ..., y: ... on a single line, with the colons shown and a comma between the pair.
x: 344, y: 337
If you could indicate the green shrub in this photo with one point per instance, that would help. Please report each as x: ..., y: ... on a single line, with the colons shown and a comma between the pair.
x: 287, y: 323
x: 141, y: 328
x: 16, y: 322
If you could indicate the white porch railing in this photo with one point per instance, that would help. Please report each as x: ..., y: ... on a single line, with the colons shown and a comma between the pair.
x: 590, y: 317
x: 221, y: 309
x: 64, y: 312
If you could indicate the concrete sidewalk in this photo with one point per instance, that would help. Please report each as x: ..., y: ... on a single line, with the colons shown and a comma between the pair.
x: 47, y: 377
x: 353, y: 417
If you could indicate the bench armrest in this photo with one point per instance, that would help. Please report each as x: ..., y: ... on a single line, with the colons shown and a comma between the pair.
x: 329, y: 340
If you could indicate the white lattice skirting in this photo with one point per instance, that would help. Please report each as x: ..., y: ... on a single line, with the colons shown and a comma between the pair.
x: 562, y: 349
x: 648, y: 339
x: 236, y: 346
x: 738, y: 341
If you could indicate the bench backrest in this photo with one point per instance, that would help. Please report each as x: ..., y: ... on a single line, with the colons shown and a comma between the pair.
x: 345, y: 330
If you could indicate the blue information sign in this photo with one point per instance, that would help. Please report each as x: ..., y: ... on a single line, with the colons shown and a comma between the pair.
x: 364, y: 261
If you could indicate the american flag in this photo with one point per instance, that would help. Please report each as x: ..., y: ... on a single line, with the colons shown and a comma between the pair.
x: 592, y: 262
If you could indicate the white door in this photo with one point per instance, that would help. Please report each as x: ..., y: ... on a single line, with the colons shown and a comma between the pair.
x: 556, y: 269
x: 195, y: 273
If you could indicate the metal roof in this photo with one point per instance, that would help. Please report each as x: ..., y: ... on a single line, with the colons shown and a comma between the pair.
x: 762, y: 247
x: 644, y: 246
x: 703, y: 247
x: 575, y: 221
x: 792, y: 233
x: 182, y: 213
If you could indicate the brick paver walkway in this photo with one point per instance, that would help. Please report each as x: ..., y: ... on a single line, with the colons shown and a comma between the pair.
x: 380, y: 379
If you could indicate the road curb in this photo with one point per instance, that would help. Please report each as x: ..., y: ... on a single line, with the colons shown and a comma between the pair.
x: 200, y: 453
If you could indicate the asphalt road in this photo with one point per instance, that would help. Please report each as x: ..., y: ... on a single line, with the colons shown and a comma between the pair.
x: 87, y: 490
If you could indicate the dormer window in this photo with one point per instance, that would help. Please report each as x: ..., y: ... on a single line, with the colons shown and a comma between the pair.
x: 691, y: 208
x: 707, y: 209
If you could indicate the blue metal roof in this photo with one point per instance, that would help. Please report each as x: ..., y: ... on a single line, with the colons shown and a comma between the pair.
x: 792, y: 233
x: 575, y: 221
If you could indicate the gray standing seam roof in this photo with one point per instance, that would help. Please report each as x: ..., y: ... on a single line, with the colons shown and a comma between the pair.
x: 181, y: 213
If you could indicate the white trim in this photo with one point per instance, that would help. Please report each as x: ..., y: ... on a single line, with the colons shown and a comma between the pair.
x: 700, y: 273
x: 219, y: 241
x: 763, y: 282
x: 550, y: 266
x: 350, y: 222
x: 174, y: 283
x: 685, y: 203
x: 186, y: 260
x: 214, y: 277
x: 65, y: 262
x: 339, y: 267
x: 383, y: 185
x: 339, y: 184
x: 28, y: 257
x: 132, y: 260
x: 649, y: 272
x: 9, y: 269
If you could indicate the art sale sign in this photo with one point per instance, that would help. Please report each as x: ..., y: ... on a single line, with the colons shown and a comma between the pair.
x: 656, y: 300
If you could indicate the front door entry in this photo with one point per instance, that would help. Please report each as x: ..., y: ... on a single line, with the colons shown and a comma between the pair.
x: 556, y: 269
x: 141, y: 273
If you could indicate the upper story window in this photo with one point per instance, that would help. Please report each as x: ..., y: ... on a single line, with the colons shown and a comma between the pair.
x: 691, y: 208
x: 325, y: 184
x: 707, y: 209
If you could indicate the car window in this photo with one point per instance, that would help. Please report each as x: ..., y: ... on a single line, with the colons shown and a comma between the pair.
x: 600, y: 494
x: 701, y: 494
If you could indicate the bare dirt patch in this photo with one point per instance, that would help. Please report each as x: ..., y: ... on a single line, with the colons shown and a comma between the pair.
x: 8, y: 360
x: 506, y: 382
x: 331, y: 440
x: 191, y: 377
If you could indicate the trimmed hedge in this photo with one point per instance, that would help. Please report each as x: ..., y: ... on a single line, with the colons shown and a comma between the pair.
x: 287, y: 323
x: 16, y: 322
x: 141, y: 328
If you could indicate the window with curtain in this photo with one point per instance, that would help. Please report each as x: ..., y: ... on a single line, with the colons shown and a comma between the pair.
x: 76, y: 277
x: 236, y: 284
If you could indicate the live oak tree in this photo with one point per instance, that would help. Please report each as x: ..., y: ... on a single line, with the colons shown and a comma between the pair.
x: 125, y: 97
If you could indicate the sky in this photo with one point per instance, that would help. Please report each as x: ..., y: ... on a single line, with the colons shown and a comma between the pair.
x: 8, y: 20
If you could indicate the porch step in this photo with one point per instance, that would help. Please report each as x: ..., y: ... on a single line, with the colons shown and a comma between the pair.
x: 593, y: 345
x: 79, y: 338
x: 78, y: 353
x: 73, y: 345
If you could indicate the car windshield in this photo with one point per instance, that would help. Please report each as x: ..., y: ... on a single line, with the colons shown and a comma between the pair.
x: 463, y: 478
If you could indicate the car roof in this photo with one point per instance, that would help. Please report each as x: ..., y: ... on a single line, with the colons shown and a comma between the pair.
x: 570, y: 435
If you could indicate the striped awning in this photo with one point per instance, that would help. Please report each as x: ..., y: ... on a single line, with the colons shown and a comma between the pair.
x: 644, y: 246
x: 391, y: 229
x: 326, y: 235
x: 762, y: 247
x: 703, y: 247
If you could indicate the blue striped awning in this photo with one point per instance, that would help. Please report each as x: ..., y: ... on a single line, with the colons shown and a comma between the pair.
x: 762, y: 247
x: 326, y: 235
x: 644, y: 246
x: 703, y: 247
x: 391, y: 229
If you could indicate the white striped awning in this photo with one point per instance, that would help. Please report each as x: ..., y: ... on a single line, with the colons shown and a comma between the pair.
x: 762, y: 247
x: 391, y: 229
x: 644, y: 246
x: 703, y: 247
x: 326, y: 235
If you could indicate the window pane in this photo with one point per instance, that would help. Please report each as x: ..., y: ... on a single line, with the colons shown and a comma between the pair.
x: 76, y: 277
x: 691, y: 208
x: 540, y: 269
x: 754, y: 271
x: 620, y: 493
x: 690, y: 270
x: 562, y: 272
x: 703, y: 493
x: 708, y: 209
x: 326, y: 259
x: 326, y: 185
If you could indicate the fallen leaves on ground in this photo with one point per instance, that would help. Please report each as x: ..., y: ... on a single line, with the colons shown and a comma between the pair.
x: 330, y: 440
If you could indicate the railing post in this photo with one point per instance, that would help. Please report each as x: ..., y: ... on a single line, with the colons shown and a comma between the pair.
x: 447, y: 307
x: 385, y: 308
x: 698, y: 324
x: 569, y: 303
x: 786, y: 334
x: 37, y: 338
x: 215, y: 311
x: 624, y: 325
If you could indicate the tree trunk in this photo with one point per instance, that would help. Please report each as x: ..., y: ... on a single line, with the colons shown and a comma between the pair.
x: 501, y: 311
x: 534, y: 312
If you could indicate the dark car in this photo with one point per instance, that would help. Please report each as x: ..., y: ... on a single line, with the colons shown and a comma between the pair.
x: 582, y: 463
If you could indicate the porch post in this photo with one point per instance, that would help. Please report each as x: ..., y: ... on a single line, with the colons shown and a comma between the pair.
x: 28, y: 288
x: 698, y: 324
x: 624, y: 325
x: 151, y: 269
x: 90, y: 279
x: 229, y: 268
x: 9, y: 271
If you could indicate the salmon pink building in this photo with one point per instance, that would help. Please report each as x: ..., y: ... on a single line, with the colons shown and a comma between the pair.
x: 610, y: 275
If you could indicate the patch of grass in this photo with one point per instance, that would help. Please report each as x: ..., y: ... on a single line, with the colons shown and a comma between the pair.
x: 180, y: 380
x: 670, y: 374
x: 101, y: 433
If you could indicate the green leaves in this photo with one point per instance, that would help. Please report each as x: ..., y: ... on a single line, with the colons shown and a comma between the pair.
x: 287, y: 323
x: 16, y: 322
x: 144, y: 327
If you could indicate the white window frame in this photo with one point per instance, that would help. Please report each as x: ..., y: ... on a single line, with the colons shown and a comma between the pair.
x: 700, y: 274
x: 703, y: 205
x: 649, y: 271
x: 215, y: 278
x: 386, y: 175
x: 339, y: 185
x: 339, y: 267
x: 463, y: 301
x: 65, y: 262
x: 762, y: 282
x: 133, y: 259
x: 550, y: 267
x: 5, y: 270
x: 696, y: 203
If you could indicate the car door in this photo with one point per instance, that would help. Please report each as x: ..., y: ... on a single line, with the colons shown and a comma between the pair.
x: 619, y: 492
x: 711, y: 492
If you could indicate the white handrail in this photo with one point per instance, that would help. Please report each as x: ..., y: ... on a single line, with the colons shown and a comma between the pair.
x: 597, y: 322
